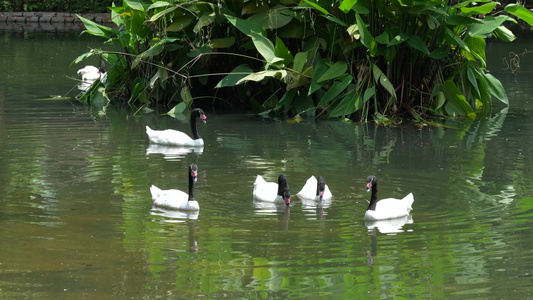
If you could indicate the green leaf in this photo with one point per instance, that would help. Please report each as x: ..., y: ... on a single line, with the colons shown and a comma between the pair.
x: 181, y: 23
x: 235, y: 76
x: 369, y: 93
x: 162, y: 13
x: 520, y: 11
x: 186, y: 96
x: 259, y: 76
x: 135, y: 4
x: 337, y: 69
x: 479, y: 10
x: 222, y: 42
x: 158, y: 4
x: 283, y: 52
x: 417, y: 43
x: 245, y: 26
x: 265, y: 47
x: 472, y: 78
x: 366, y: 37
x: 336, y: 88
x: 456, y: 104
x: 83, y: 57
x: 353, y: 32
x: 496, y: 88
x: 97, y: 29
x: 398, y: 39
x: 347, y: 105
x: 346, y: 5
x: 487, y: 26
x: 177, y: 110
x: 299, y: 61
x: 504, y: 34
x: 274, y: 18
x: 382, y: 79
x: 441, y: 100
x: 320, y: 68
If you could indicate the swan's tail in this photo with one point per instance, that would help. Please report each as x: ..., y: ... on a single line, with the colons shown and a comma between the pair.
x: 409, y: 199
x: 148, y: 129
x: 155, y: 191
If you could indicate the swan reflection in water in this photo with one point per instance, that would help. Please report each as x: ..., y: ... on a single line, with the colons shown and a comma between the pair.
x: 280, y: 210
x: 387, y: 227
x: 173, y: 153
x: 176, y: 216
x: 316, y: 208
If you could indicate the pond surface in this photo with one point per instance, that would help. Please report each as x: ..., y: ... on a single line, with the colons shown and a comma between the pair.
x: 76, y: 216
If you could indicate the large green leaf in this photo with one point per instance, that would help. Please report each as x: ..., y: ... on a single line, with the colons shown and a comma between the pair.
x: 97, y: 29
x: 265, y: 47
x: 521, y: 12
x: 479, y: 10
x: 162, y: 13
x: 273, y: 18
x: 237, y: 74
x: 283, y: 52
x: 496, y: 88
x: 336, y: 88
x: 299, y: 61
x: 347, y: 105
x: 347, y: 5
x: 259, y: 76
x: 504, y: 34
x: 417, y: 43
x: 245, y: 26
x: 382, y: 79
x: 337, y: 69
x: 488, y: 25
x: 366, y: 37
x: 320, y: 68
x: 456, y: 104
x: 135, y: 4
x: 222, y: 42
x: 181, y: 23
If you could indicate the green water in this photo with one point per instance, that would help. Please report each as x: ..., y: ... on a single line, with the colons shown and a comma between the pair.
x: 76, y: 218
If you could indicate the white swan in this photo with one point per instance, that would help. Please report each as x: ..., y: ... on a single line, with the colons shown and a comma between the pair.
x: 91, y: 73
x: 271, y: 191
x: 389, y: 208
x: 178, y: 138
x: 315, y: 189
x: 176, y: 199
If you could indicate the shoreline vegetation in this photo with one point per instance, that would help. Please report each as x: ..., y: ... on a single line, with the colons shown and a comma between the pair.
x: 381, y: 61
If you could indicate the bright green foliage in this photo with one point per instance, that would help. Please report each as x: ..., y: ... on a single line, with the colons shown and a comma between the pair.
x: 355, y: 58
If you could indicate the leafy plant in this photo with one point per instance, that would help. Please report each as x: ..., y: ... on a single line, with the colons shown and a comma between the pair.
x: 361, y: 59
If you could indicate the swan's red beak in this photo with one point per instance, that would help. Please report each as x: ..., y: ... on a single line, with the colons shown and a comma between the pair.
x: 287, y: 201
x: 203, y: 117
x: 194, y: 176
x: 368, y: 187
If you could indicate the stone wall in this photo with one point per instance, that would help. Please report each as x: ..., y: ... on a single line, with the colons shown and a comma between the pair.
x: 49, y: 21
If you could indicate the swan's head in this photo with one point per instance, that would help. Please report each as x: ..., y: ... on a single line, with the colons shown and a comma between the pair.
x: 193, y: 172
x: 198, y: 112
x: 370, y: 181
x: 320, y: 187
x: 283, y: 189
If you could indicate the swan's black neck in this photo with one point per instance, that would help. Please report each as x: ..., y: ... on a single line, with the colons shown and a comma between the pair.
x: 191, y: 185
x: 283, y: 187
x: 373, y: 196
x: 194, y: 130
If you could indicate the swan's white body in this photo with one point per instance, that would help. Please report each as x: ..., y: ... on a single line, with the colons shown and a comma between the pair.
x: 308, y: 191
x: 91, y: 73
x: 391, y: 208
x: 173, y: 199
x: 172, y: 137
x: 266, y: 191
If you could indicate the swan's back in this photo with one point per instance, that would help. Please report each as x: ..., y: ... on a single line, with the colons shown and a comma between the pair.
x: 391, y: 208
x: 172, y: 199
x: 265, y: 191
x: 171, y: 137
x: 308, y: 191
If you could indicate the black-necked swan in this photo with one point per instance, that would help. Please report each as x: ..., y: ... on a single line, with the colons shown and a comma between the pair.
x: 315, y: 189
x: 389, y: 208
x: 176, y: 199
x: 271, y: 191
x: 178, y: 138
x: 91, y: 73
